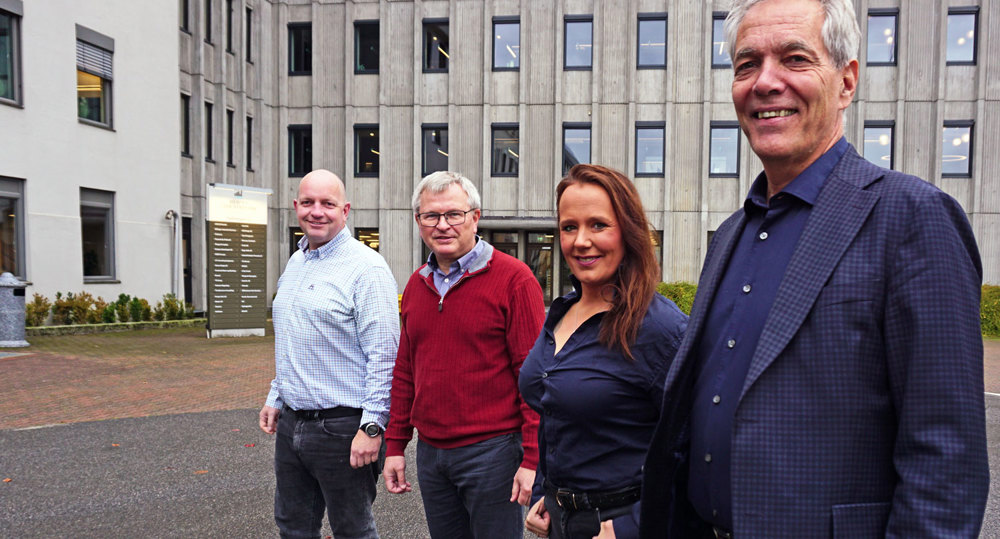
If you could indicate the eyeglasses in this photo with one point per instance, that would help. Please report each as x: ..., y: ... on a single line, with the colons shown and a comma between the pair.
x: 453, y: 218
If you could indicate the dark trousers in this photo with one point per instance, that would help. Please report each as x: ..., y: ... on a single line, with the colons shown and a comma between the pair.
x: 578, y: 524
x: 313, y: 471
x: 466, y: 490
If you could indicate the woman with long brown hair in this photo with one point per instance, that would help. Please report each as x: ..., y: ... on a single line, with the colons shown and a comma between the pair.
x: 596, y: 372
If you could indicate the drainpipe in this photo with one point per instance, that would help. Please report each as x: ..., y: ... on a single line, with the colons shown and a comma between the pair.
x: 175, y: 258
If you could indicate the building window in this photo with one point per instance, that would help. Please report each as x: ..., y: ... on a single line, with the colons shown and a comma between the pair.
x: 184, y: 13
x: 208, y: 21
x: 435, y: 45
x: 367, y: 236
x: 576, y: 145
x: 956, y: 149
x: 10, y: 53
x: 300, y: 48
x: 720, y: 49
x: 366, y: 150
x: 506, y: 153
x: 229, y: 26
x: 649, y: 148
x: 656, y: 236
x: 97, y: 222
x: 249, y: 36
x: 230, y: 127
x: 186, y: 125
x: 724, y: 150
x: 882, y: 37
x: 12, y: 226
x: 651, y: 49
x: 295, y: 235
x: 435, y: 148
x: 209, y: 132
x: 962, y: 25
x: 878, y: 142
x: 299, y: 149
x: 506, y: 43
x: 249, y: 148
x: 366, y: 47
x: 578, y: 53
x: 94, y: 55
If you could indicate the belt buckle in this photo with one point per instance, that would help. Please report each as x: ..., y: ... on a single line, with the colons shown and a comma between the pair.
x: 561, y: 494
x: 311, y: 415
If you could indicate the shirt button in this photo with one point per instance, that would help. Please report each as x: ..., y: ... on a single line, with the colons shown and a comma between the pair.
x: 545, y: 375
x: 730, y: 343
x: 715, y: 513
x: 746, y: 289
x: 716, y: 399
x: 763, y: 236
x: 708, y: 457
x: 447, y: 280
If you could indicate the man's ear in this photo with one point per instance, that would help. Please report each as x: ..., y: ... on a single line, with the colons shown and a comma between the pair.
x: 849, y: 81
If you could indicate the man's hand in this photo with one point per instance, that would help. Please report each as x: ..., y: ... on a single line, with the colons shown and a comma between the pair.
x: 520, y: 492
x: 394, y: 473
x: 607, y: 531
x: 364, y: 449
x: 269, y: 419
x: 537, y: 521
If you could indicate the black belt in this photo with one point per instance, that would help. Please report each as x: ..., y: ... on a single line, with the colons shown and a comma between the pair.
x: 721, y: 533
x: 588, y: 501
x: 328, y: 413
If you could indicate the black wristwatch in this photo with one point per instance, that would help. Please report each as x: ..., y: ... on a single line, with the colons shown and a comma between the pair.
x: 372, y: 429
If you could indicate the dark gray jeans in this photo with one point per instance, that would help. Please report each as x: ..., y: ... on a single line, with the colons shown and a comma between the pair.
x: 313, y: 471
x: 466, y: 490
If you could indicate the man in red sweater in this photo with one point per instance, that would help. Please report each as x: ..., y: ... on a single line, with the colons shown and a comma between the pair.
x: 469, y: 317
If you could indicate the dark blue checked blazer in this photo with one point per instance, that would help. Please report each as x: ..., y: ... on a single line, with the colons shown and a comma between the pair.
x: 862, y: 414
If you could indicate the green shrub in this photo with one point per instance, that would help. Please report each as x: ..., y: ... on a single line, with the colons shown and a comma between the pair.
x: 37, y: 310
x: 95, y: 315
x: 108, y: 314
x: 989, y: 310
x: 138, y: 310
x: 121, y: 307
x: 170, y: 308
x: 680, y: 292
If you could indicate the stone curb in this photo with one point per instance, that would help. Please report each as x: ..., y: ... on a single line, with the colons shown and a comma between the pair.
x: 84, y: 329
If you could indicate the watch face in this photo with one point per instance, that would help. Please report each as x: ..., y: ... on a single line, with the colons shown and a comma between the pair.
x: 372, y: 430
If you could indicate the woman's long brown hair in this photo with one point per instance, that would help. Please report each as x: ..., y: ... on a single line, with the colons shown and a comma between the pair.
x: 635, y: 282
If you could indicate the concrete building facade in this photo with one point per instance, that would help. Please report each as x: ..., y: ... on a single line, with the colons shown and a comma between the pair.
x: 88, y: 146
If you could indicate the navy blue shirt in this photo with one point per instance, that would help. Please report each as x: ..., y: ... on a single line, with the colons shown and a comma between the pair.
x: 598, y: 409
x: 734, y: 323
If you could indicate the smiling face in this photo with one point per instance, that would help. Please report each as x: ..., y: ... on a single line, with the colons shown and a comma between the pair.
x: 448, y: 242
x: 788, y: 94
x: 321, y: 207
x: 589, y: 235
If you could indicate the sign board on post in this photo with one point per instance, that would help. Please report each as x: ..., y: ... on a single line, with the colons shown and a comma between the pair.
x: 237, y: 260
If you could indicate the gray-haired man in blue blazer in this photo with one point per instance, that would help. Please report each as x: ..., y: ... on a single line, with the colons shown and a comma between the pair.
x: 831, y: 380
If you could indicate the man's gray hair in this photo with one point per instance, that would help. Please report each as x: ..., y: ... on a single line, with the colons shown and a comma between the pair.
x: 437, y: 182
x: 841, y: 33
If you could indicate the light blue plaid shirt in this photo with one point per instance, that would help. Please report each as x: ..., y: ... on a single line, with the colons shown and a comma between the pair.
x: 336, y: 328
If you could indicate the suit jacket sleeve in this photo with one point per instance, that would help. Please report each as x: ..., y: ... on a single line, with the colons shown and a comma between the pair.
x: 933, y: 348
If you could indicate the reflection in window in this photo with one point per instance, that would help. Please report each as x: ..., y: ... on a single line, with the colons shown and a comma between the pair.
x: 367, y: 236
x: 94, y: 72
x: 435, y: 148
x: 878, y: 143
x: 881, y: 38
x: 720, y: 49
x: 12, y: 226
x: 578, y: 53
x: 295, y: 235
x: 956, y: 149
x: 506, y: 153
x: 724, y: 150
x: 97, y: 227
x: 539, y: 254
x: 576, y: 145
x: 10, y: 41
x: 300, y: 48
x: 366, y: 154
x: 436, y: 45
x: 506, y: 44
x: 648, y: 149
x: 299, y: 150
x: 366, y: 47
x: 652, y: 48
x: 962, y: 35
x: 657, y: 238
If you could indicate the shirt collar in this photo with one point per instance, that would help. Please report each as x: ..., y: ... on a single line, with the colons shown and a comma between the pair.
x: 464, y: 262
x: 806, y: 186
x: 327, y: 248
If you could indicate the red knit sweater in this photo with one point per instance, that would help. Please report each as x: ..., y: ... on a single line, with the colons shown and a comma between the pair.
x: 456, y: 372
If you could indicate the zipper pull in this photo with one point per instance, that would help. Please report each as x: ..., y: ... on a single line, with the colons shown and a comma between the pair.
x: 440, y: 303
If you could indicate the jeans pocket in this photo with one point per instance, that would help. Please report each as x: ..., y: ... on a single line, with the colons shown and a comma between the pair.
x: 341, y: 427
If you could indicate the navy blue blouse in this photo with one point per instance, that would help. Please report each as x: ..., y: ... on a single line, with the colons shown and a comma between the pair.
x: 598, y: 409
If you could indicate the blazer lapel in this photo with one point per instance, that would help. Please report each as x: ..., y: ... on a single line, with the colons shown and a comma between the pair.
x: 841, y: 209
